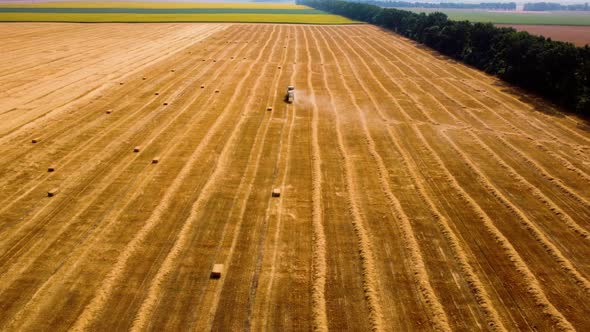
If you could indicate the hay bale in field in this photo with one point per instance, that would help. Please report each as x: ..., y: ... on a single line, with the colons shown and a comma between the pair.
x: 276, y: 192
x: 165, y: 104
x: 269, y: 108
x: 279, y: 67
x: 156, y: 160
x: 136, y: 149
x: 157, y: 94
x: 50, y: 169
x: 35, y: 140
x: 121, y: 83
x: 172, y: 70
x: 216, y: 271
x: 143, y: 78
x: 202, y: 86
x: 216, y: 91
x: 52, y: 192
x: 108, y: 112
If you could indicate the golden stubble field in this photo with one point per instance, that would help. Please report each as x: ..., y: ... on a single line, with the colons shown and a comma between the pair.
x: 416, y: 193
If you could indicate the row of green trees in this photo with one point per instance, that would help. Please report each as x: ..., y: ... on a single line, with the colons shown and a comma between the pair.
x: 555, y: 70
x: 548, y: 6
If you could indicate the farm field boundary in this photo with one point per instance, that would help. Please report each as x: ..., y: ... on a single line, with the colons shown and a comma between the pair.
x: 173, y: 12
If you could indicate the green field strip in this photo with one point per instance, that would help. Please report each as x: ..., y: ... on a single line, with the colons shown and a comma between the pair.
x: 549, y: 18
x: 155, y: 5
x: 161, y: 10
x: 153, y: 18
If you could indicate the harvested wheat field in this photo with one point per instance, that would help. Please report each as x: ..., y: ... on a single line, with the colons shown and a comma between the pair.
x: 399, y: 191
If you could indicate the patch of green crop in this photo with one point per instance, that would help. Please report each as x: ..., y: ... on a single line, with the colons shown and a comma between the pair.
x: 246, y: 18
x: 544, y: 18
x: 167, y: 12
x: 155, y: 5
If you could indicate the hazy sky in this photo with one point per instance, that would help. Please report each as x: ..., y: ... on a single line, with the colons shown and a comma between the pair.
x: 293, y: 1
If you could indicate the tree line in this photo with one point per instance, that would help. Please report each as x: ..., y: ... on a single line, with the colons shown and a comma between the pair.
x: 558, y: 71
x: 447, y: 5
x: 548, y: 6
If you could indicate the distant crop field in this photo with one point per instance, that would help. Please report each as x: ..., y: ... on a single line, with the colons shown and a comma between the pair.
x: 155, y: 5
x: 548, y: 18
x: 167, y: 12
x: 579, y: 35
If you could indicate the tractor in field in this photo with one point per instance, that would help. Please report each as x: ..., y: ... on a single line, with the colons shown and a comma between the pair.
x: 290, y: 96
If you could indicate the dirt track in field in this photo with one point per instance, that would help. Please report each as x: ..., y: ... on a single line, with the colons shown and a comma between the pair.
x: 416, y: 193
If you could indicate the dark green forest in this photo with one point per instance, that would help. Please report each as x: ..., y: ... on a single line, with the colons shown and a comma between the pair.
x: 557, y: 71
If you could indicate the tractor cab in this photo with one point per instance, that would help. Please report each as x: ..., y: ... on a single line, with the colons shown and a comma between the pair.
x: 290, y: 94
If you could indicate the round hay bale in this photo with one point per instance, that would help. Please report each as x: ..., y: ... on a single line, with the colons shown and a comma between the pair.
x: 157, y: 93
x: 216, y: 91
